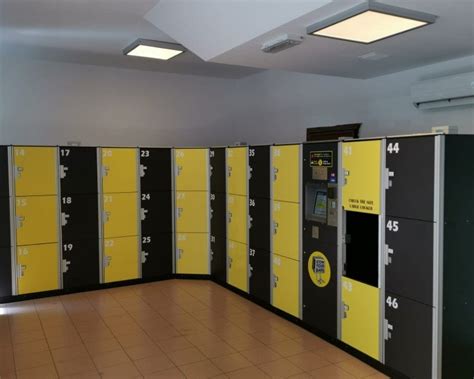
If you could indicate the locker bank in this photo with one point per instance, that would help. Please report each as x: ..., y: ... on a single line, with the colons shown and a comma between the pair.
x: 330, y: 235
x: 237, y: 189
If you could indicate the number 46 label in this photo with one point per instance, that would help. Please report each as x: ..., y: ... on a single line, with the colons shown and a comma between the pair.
x: 392, y: 302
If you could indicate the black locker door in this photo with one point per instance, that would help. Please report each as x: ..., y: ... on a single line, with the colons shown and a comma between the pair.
x: 409, y: 272
x: 218, y: 170
x: 259, y: 232
x: 155, y: 169
x: 78, y: 170
x: 218, y: 214
x: 157, y: 255
x: 156, y: 212
x: 219, y: 257
x: 5, y: 238
x: 5, y: 272
x: 82, y: 261
x: 259, y: 281
x: 79, y: 217
x: 320, y: 296
x: 259, y: 162
x: 4, y: 182
x: 408, y: 346
x: 410, y: 162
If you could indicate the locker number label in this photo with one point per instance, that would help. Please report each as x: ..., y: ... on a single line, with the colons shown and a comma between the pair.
x: 109, y: 243
x: 67, y: 200
x: 146, y: 196
x: 182, y: 237
x: 393, y: 148
x: 20, y: 152
x: 145, y: 153
x: 277, y: 261
x: 392, y: 302
x: 23, y: 251
x: 276, y: 152
x: 106, y: 153
x: 179, y: 154
x: 68, y: 247
x: 252, y: 252
x: 251, y: 152
x: 65, y: 152
x: 22, y: 202
x: 146, y: 240
x: 252, y: 202
x: 347, y: 286
x: 393, y: 226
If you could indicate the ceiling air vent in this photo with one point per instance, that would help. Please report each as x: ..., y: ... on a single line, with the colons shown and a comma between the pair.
x: 282, y: 43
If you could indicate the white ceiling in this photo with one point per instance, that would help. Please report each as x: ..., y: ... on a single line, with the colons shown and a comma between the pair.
x: 224, y: 36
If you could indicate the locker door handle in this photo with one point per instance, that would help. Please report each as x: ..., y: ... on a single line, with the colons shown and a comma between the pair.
x: 275, y: 172
x: 142, y: 170
x: 107, y: 260
x: 180, y: 212
x: 105, y: 170
x: 63, y: 171
x: 64, y: 217
x: 388, y: 255
x: 144, y: 256
x: 143, y: 213
x: 107, y: 215
x: 18, y: 171
x: 275, y: 281
x: 388, y: 330
x: 19, y: 221
x: 345, y: 310
x: 275, y: 227
x: 65, y: 265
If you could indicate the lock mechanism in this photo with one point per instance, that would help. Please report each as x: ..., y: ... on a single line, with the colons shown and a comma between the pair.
x: 143, y: 213
x: 144, y: 255
x: 143, y: 168
x: 64, y: 217
x: 388, y: 255
x: 63, y: 171
x: 65, y: 265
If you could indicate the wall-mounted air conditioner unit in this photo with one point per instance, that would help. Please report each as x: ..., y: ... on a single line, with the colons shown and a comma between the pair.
x: 448, y: 91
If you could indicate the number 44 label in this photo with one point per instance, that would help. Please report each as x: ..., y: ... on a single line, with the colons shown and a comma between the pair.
x: 393, y: 148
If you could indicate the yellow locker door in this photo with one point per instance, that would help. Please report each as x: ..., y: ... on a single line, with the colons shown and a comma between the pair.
x: 237, y: 218
x: 237, y: 274
x: 36, y: 220
x: 360, y: 321
x: 119, y: 170
x: 192, y: 212
x: 120, y: 214
x: 35, y: 170
x: 38, y: 268
x: 237, y: 170
x: 361, y: 162
x: 121, y: 257
x: 286, y: 172
x: 286, y: 229
x: 191, y: 168
x: 286, y: 284
x: 192, y: 253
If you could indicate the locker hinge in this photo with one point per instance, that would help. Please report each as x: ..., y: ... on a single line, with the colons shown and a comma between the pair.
x: 64, y: 217
x: 143, y: 168
x: 63, y: 171
x: 144, y: 255
x: 19, y: 221
x: 388, y: 178
x: 143, y: 213
x: 388, y: 329
x: 18, y: 171
x: 107, y: 260
x: 65, y: 265
x: 388, y: 252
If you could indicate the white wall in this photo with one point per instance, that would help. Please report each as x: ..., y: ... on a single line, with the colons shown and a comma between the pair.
x: 52, y: 103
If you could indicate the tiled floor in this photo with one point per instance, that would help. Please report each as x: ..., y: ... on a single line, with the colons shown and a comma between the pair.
x: 169, y: 329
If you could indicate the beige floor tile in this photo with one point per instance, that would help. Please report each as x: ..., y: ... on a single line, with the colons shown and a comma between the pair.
x: 110, y: 358
x: 154, y: 363
x: 7, y: 362
x: 281, y: 368
x: 31, y: 360
x: 30, y: 336
x: 231, y: 362
x: 378, y: 375
x: 214, y: 350
x: 186, y: 356
x: 172, y: 373
x: 270, y: 337
x: 102, y: 346
x: 93, y: 374
x: 303, y: 375
x: 142, y: 351
x: 308, y: 361
x: 174, y: 343
x: 63, y: 341
x: 287, y: 348
x: 65, y: 354
x: 251, y: 372
x: 75, y: 366
x: 311, y: 342
x: 121, y: 371
x: 31, y: 347
x: 261, y: 355
x: 331, y: 372
x: 357, y: 368
x: 42, y: 372
x: 198, y: 370
x: 333, y: 354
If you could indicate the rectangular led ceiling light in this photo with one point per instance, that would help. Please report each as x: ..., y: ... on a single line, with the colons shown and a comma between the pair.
x: 371, y: 22
x: 154, y: 49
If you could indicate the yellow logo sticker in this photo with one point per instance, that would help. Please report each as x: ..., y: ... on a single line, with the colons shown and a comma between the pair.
x: 319, y: 269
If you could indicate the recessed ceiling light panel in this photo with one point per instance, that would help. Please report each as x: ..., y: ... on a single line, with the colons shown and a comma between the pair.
x: 370, y: 22
x: 154, y: 49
